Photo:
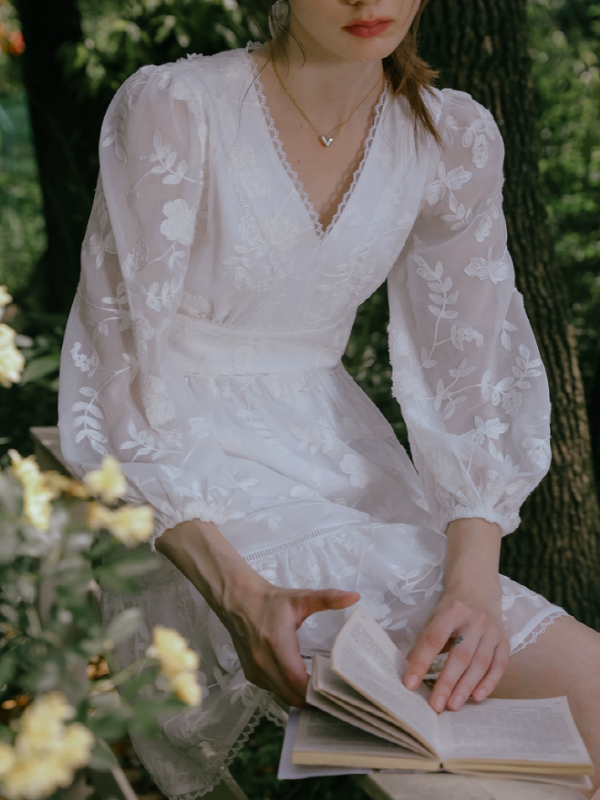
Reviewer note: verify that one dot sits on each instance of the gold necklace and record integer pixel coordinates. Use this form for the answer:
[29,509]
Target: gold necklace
[326,141]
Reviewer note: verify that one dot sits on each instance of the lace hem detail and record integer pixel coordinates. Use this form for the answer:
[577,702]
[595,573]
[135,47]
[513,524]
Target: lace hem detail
[533,635]
[298,185]
[276,716]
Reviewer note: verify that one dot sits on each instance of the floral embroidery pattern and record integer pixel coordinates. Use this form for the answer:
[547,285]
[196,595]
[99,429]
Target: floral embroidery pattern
[196,226]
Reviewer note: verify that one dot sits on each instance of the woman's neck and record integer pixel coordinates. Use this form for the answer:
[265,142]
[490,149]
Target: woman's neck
[319,81]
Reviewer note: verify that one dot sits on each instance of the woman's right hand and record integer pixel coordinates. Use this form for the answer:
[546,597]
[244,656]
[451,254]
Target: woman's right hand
[263,621]
[261,618]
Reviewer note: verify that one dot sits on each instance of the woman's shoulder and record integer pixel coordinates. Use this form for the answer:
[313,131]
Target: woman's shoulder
[465,124]
[194,73]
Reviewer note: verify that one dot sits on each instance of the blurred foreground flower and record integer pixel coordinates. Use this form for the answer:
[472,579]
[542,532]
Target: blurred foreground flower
[37,495]
[108,482]
[46,752]
[12,360]
[5,297]
[131,525]
[177,662]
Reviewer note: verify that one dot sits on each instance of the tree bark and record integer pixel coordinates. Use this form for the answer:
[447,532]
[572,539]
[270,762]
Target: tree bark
[481,46]
[65,131]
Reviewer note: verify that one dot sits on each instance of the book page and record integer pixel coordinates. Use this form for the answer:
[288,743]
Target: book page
[330,693]
[323,739]
[327,682]
[289,771]
[364,721]
[365,657]
[512,730]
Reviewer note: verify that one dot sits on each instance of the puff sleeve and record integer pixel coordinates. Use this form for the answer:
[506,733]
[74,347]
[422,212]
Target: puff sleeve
[120,392]
[466,368]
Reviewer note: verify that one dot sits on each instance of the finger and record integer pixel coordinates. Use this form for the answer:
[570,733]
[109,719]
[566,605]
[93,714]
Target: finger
[269,676]
[289,668]
[324,600]
[460,657]
[477,669]
[267,672]
[495,672]
[429,644]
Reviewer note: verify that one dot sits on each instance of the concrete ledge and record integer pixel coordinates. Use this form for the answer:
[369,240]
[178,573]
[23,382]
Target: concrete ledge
[47,451]
[387,786]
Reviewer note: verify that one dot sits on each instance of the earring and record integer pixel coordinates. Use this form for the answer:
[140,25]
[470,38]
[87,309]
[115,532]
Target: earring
[279,16]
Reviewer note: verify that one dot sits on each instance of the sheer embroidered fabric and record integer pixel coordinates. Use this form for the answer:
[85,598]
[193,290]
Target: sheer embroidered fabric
[203,350]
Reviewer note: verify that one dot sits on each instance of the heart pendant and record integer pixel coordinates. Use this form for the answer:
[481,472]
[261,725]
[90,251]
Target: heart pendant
[325,141]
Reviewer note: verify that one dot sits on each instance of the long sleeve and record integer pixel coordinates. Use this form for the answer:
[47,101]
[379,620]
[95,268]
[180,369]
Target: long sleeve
[466,368]
[120,392]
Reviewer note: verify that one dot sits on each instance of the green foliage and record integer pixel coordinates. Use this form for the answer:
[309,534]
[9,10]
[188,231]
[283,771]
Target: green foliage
[565,47]
[34,400]
[51,625]
[255,769]
[22,235]
[121,37]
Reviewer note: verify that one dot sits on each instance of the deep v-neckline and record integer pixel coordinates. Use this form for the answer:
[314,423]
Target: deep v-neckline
[321,232]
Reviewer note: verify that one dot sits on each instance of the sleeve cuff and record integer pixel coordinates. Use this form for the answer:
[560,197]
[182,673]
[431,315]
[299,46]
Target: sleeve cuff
[507,523]
[163,521]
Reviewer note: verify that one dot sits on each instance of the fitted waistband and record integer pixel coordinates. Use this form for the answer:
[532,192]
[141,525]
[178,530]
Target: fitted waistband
[206,348]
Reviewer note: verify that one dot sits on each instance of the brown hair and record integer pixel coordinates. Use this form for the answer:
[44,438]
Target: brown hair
[408,74]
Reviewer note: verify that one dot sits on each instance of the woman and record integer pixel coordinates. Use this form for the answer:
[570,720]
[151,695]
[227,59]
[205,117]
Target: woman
[247,204]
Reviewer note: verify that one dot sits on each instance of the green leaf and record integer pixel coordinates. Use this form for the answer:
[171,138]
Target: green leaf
[124,625]
[102,757]
[8,667]
[137,564]
[146,713]
[111,725]
[40,367]
[108,581]
[9,541]
[136,683]
[102,546]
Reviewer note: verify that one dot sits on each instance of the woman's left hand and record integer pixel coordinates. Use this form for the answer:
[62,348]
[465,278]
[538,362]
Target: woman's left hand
[469,625]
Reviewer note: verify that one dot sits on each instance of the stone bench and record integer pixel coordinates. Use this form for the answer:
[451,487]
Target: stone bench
[382,786]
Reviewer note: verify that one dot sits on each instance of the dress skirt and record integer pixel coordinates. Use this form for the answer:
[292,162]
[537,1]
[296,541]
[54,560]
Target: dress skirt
[357,521]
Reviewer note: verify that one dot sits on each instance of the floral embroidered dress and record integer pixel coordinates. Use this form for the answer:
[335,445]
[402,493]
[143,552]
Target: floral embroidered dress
[203,350]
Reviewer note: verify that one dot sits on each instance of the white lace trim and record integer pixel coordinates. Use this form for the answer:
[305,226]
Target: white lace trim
[298,185]
[272,712]
[533,635]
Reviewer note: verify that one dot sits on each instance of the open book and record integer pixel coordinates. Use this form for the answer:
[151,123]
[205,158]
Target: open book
[362,715]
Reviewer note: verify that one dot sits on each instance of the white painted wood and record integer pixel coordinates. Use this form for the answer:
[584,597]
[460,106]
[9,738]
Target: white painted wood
[47,448]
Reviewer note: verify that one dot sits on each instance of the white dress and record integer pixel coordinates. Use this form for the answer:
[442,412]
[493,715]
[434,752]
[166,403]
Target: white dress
[203,350]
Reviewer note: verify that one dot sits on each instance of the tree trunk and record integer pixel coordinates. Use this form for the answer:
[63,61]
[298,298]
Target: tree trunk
[64,126]
[481,46]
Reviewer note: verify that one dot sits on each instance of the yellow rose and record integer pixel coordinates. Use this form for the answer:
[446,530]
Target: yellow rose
[76,745]
[11,359]
[42,725]
[186,687]
[36,778]
[5,298]
[37,495]
[172,652]
[58,483]
[131,525]
[8,756]
[108,482]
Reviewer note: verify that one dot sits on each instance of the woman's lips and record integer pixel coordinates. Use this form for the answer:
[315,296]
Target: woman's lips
[368,30]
